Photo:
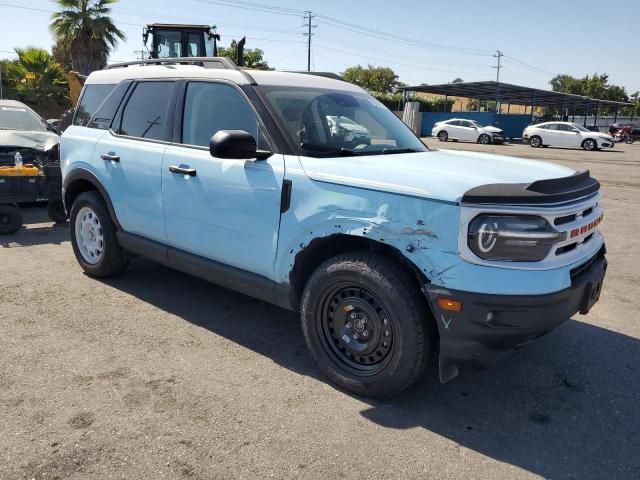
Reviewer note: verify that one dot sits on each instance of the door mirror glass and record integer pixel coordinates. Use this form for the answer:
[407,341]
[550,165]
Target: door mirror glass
[235,145]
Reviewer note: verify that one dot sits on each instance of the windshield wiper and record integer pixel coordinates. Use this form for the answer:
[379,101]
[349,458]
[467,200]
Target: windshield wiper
[388,151]
[343,152]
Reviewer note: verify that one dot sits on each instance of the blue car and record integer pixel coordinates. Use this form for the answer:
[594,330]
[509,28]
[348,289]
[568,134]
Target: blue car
[397,256]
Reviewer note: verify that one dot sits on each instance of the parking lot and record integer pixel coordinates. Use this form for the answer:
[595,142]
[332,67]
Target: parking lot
[156,374]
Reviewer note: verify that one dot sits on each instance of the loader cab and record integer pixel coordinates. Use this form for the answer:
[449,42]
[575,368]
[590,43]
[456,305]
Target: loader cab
[173,41]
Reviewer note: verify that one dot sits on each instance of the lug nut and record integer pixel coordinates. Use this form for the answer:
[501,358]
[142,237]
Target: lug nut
[356,336]
[353,316]
[386,333]
[365,333]
[348,325]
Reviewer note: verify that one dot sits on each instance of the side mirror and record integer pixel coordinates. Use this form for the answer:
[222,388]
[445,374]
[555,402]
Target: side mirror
[236,145]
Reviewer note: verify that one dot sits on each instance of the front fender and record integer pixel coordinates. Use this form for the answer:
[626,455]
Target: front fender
[424,231]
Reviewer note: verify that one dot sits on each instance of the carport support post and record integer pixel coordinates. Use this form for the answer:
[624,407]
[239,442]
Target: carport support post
[444,108]
[595,118]
[615,115]
[533,103]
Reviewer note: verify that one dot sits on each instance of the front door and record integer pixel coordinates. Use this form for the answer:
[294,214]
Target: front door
[224,210]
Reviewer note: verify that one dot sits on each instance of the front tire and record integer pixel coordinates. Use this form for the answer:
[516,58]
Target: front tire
[590,144]
[535,141]
[93,236]
[366,324]
[10,219]
[443,136]
[484,139]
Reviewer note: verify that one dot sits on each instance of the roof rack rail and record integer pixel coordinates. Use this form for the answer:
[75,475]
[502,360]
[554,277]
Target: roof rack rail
[206,62]
[332,75]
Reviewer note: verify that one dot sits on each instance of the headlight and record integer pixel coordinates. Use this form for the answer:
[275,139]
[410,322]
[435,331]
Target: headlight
[515,238]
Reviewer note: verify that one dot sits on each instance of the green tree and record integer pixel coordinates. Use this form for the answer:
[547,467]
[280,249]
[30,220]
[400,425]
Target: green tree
[38,81]
[457,80]
[253,57]
[61,53]
[594,86]
[374,79]
[89,32]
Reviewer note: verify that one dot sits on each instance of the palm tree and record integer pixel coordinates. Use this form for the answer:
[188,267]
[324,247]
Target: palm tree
[85,25]
[38,80]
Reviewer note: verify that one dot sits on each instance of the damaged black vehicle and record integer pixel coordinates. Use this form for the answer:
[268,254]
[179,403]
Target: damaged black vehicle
[29,164]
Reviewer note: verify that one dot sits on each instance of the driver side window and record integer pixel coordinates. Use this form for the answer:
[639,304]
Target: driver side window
[210,107]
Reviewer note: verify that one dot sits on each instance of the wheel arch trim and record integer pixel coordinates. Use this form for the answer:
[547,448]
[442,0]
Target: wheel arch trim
[82,175]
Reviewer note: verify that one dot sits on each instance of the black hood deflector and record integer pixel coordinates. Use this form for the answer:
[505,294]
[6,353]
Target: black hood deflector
[553,190]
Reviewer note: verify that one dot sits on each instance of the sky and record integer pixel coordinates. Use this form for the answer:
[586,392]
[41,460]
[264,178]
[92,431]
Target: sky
[423,41]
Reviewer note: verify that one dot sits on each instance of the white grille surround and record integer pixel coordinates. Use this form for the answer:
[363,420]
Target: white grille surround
[569,218]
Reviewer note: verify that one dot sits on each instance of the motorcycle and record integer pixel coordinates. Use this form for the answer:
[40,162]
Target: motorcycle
[623,135]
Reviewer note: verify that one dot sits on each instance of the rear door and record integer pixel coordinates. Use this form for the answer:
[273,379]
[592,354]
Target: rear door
[226,210]
[453,129]
[551,135]
[130,157]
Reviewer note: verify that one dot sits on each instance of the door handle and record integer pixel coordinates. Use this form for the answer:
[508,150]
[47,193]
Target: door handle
[182,171]
[110,157]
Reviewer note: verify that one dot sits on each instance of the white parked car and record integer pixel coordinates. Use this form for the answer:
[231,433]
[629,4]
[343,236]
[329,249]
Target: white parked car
[565,134]
[467,130]
[348,131]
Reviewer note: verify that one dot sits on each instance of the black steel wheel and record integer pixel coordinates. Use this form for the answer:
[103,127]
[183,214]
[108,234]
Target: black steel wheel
[10,219]
[355,328]
[366,324]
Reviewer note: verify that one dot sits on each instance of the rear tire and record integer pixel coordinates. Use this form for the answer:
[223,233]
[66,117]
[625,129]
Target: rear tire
[55,211]
[93,236]
[10,219]
[590,144]
[535,141]
[443,136]
[366,324]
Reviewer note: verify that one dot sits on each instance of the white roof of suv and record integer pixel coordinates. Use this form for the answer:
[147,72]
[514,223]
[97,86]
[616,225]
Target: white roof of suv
[262,77]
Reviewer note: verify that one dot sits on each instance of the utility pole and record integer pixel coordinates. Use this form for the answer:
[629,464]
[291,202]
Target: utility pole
[498,55]
[309,16]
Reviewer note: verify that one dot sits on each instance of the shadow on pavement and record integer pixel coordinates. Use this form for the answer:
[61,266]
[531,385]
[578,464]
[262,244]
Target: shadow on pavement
[565,406]
[38,229]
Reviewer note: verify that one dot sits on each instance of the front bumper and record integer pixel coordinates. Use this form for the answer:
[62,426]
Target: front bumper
[489,326]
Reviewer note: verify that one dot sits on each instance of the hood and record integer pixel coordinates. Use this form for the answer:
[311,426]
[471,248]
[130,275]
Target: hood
[437,174]
[27,139]
[491,129]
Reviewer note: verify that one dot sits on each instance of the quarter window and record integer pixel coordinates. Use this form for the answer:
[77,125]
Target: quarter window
[210,107]
[145,113]
[104,115]
[92,97]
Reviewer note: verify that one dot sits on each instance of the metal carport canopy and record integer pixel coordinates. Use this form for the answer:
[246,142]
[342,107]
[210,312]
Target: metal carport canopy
[509,93]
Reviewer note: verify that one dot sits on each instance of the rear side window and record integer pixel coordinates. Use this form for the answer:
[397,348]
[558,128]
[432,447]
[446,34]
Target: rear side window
[104,115]
[92,97]
[145,113]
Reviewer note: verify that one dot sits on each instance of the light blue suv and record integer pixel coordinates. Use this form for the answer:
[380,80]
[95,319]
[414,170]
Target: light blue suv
[397,256]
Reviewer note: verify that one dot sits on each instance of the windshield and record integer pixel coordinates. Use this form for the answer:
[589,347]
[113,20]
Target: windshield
[333,122]
[476,124]
[20,118]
